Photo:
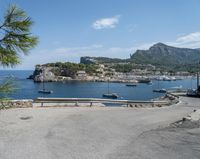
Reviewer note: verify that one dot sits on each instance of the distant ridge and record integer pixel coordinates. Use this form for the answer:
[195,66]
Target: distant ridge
[162,54]
[100,60]
[164,57]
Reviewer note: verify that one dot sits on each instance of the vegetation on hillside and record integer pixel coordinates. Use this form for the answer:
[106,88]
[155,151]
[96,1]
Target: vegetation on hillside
[70,69]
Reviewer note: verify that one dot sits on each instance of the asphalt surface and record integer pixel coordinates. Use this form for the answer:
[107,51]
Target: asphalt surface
[99,133]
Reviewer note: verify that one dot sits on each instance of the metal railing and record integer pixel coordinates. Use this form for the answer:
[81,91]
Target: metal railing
[92,101]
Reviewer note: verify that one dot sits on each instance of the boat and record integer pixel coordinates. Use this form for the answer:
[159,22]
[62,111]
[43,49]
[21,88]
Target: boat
[160,90]
[131,85]
[43,90]
[110,95]
[145,80]
[166,78]
[177,87]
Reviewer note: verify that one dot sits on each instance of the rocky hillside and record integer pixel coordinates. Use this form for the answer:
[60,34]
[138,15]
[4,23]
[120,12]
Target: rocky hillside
[161,54]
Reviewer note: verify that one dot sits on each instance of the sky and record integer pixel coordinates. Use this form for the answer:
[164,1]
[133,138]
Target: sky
[69,29]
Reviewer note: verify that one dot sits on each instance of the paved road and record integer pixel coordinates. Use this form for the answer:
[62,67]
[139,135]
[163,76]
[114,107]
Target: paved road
[98,133]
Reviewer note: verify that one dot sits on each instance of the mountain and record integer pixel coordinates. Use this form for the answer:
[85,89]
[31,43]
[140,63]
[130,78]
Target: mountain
[164,55]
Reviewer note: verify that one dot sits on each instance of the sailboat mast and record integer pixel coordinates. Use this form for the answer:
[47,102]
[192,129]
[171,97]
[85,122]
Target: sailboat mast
[197,80]
[108,87]
[43,80]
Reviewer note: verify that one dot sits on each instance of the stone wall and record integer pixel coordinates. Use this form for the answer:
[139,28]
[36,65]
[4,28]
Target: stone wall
[17,104]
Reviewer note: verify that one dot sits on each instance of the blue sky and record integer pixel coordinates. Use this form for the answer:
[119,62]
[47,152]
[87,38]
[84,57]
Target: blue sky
[69,29]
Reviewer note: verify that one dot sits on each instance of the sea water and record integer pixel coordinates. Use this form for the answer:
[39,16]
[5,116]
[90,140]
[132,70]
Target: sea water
[27,89]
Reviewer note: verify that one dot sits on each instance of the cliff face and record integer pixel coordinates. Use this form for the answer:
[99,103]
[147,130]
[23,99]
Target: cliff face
[161,54]
[43,74]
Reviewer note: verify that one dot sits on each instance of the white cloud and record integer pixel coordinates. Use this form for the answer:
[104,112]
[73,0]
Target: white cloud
[106,23]
[191,40]
[192,37]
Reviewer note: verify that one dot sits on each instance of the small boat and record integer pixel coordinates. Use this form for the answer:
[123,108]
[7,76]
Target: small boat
[160,90]
[45,91]
[110,95]
[131,85]
[144,81]
[177,87]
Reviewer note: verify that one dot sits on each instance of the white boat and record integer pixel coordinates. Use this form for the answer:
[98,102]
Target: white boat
[177,87]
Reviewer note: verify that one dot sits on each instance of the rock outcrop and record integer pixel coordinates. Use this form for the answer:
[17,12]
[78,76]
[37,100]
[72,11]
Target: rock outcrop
[43,74]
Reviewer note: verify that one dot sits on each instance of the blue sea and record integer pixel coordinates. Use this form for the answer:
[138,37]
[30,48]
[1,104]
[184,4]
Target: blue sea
[27,89]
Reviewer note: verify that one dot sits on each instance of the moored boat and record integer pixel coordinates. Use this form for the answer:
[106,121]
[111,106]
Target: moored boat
[45,91]
[160,90]
[131,85]
[110,95]
[145,80]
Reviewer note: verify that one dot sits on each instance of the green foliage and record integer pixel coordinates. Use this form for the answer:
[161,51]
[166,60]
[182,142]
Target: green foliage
[124,67]
[6,87]
[15,39]
[90,69]
[70,69]
[15,36]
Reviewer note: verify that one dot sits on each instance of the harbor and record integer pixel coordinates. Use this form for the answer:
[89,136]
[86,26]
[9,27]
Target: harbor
[99,79]
[27,89]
